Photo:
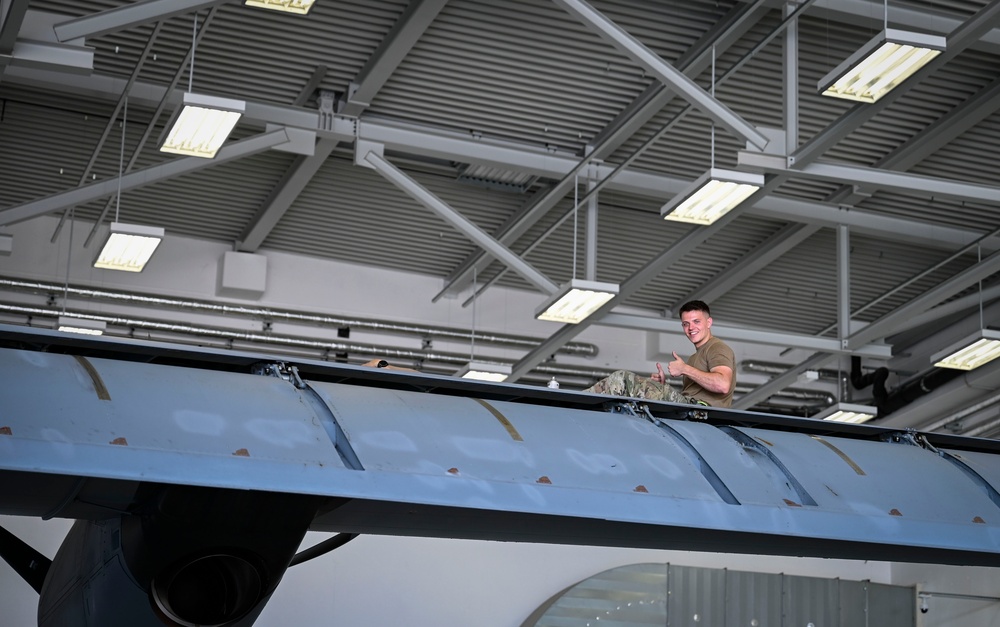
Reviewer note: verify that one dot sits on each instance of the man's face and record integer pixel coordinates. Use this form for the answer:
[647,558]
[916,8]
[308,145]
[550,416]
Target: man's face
[696,326]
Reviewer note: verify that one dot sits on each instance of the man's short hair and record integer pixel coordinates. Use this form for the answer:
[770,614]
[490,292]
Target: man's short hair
[695,305]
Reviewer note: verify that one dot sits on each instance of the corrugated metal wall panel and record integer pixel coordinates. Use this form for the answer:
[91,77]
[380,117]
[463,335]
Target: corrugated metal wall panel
[675,595]
[753,599]
[891,605]
[811,600]
[696,595]
[853,605]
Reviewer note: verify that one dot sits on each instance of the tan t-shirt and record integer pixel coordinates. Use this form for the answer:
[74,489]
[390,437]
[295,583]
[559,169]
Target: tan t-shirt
[709,355]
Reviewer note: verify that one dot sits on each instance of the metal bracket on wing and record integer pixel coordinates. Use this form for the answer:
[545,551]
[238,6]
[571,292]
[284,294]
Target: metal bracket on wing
[289,373]
[762,452]
[641,410]
[915,438]
[631,408]
[911,437]
[280,370]
[973,475]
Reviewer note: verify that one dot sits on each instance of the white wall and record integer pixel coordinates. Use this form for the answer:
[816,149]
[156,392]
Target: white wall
[944,583]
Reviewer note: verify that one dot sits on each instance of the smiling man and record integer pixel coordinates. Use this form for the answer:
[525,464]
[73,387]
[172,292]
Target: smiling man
[708,377]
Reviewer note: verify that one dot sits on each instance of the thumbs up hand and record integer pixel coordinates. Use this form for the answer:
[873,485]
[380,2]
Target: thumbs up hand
[659,376]
[676,367]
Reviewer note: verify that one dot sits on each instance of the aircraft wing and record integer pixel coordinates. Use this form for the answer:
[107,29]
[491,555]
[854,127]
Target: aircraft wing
[100,429]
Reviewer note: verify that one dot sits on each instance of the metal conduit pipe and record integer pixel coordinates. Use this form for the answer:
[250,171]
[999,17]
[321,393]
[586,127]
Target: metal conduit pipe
[368,350]
[504,340]
[915,388]
[986,427]
[811,397]
[937,424]
[765,367]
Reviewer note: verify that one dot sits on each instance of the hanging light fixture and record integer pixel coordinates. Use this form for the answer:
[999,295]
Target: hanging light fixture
[484,371]
[979,348]
[84,326]
[300,7]
[972,352]
[881,64]
[711,196]
[848,412]
[575,301]
[204,122]
[578,299]
[203,125]
[128,246]
[476,369]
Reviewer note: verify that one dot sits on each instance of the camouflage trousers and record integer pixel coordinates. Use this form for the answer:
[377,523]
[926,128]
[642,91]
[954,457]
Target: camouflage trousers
[625,383]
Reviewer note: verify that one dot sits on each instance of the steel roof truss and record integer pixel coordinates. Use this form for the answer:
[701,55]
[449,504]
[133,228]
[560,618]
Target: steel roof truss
[428,142]
[961,38]
[790,236]
[140,178]
[668,74]
[121,18]
[397,44]
[647,105]
[418,192]
[873,178]
[10,24]
[887,324]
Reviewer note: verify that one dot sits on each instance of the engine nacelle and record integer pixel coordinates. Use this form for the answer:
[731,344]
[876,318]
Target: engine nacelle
[190,557]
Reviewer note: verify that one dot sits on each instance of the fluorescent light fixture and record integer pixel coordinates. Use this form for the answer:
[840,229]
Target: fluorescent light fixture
[881,64]
[575,301]
[711,196]
[484,371]
[6,244]
[203,125]
[970,353]
[848,412]
[300,7]
[129,247]
[82,325]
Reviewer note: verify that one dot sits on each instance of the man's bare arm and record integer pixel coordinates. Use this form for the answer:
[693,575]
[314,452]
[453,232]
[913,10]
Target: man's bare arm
[719,380]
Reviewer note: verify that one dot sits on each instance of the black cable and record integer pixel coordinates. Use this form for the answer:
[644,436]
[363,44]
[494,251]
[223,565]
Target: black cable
[322,548]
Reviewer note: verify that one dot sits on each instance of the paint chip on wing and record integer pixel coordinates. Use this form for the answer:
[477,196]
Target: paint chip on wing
[241,453]
[119,442]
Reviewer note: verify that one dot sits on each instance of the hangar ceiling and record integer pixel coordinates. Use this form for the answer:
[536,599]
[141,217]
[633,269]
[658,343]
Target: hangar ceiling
[508,112]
